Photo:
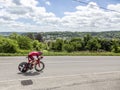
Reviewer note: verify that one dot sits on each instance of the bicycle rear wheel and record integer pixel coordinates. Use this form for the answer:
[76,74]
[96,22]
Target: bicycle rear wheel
[22,67]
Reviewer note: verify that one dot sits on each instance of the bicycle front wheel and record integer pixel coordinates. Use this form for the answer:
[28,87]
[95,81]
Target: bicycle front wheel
[39,67]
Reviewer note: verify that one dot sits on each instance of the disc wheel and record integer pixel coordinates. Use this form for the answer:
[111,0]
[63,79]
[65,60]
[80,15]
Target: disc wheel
[22,67]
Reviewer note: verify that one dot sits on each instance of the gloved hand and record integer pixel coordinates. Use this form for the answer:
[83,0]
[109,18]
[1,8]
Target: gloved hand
[40,57]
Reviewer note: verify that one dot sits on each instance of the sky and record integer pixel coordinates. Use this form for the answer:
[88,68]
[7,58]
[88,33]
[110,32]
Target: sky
[59,15]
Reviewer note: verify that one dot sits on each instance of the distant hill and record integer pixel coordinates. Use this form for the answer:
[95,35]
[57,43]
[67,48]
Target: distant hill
[8,33]
[68,35]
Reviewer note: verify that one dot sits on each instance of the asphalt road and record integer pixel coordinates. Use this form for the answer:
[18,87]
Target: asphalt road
[59,66]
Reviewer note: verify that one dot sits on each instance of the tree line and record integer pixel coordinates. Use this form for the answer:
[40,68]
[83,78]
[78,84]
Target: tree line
[16,43]
[68,35]
[87,43]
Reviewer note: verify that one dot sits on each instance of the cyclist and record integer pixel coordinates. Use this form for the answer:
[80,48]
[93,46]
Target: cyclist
[33,56]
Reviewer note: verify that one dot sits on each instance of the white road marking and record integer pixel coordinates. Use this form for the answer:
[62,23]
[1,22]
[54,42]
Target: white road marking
[66,62]
[62,76]
[52,62]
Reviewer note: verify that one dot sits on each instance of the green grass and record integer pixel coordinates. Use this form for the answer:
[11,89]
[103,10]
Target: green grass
[82,53]
[12,54]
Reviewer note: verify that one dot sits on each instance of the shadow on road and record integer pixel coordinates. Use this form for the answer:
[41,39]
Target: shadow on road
[30,73]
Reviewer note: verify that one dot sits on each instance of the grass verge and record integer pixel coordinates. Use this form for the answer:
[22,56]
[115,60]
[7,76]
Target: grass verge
[83,53]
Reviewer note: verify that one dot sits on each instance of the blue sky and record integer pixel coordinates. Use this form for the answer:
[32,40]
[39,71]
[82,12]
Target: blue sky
[60,6]
[59,15]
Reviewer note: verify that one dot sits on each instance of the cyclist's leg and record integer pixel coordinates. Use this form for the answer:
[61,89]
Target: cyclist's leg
[30,63]
[35,59]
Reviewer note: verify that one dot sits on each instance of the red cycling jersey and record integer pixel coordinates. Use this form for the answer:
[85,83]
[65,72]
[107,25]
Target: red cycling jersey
[32,54]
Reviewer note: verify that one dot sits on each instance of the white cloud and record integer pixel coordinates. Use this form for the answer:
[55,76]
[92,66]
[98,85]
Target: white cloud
[114,7]
[48,3]
[26,15]
[17,2]
[6,3]
[37,19]
[92,18]
[29,3]
[19,10]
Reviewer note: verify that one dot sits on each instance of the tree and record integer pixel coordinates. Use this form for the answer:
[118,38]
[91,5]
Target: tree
[93,45]
[14,36]
[39,37]
[57,45]
[77,46]
[8,45]
[68,47]
[77,43]
[24,42]
[31,36]
[52,46]
[37,45]
[86,39]
[116,46]
[106,44]
[76,40]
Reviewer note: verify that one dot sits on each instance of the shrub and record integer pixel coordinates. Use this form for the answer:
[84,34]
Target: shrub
[68,47]
[8,45]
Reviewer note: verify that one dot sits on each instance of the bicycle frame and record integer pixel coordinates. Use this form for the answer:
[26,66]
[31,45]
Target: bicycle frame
[36,61]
